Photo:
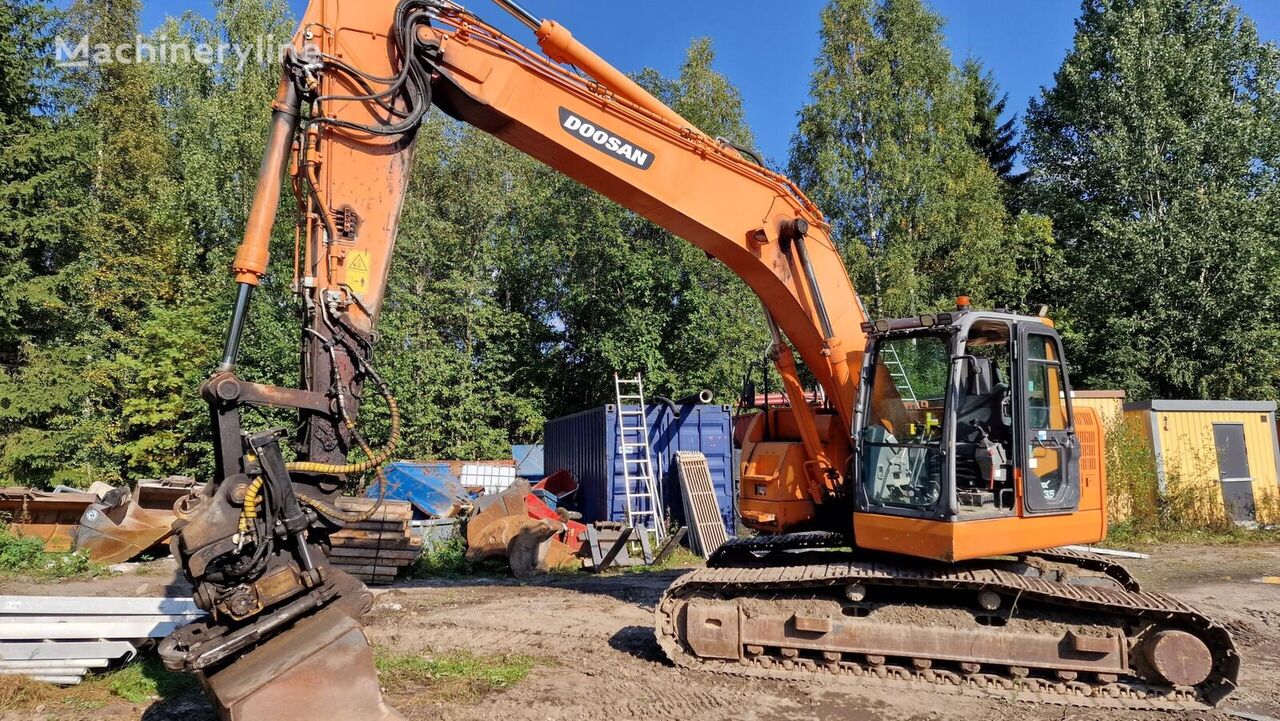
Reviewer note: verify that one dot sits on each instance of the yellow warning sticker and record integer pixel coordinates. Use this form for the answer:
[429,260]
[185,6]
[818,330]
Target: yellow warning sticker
[358,270]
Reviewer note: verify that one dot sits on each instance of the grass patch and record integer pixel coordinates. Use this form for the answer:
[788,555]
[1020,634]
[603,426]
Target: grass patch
[457,676]
[449,560]
[681,557]
[25,556]
[137,683]
[149,679]
[443,560]
[1136,536]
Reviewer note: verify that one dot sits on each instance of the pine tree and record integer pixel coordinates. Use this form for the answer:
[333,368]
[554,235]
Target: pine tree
[1157,153]
[994,140]
[883,148]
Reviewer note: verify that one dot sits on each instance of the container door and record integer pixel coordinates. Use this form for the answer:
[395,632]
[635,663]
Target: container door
[1233,470]
[1049,450]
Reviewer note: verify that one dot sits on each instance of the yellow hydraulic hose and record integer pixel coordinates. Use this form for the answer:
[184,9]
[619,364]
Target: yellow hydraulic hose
[250,510]
[343,516]
[393,440]
[374,461]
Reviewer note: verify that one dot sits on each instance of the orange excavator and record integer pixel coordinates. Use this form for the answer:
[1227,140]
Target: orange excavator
[909,525]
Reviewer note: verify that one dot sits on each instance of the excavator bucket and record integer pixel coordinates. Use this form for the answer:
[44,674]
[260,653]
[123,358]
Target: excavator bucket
[504,527]
[125,524]
[321,669]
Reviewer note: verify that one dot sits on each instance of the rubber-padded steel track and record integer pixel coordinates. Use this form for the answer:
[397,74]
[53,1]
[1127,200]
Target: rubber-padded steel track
[767,577]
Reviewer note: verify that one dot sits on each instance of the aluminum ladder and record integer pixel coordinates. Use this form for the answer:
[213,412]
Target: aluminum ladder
[644,510]
[898,372]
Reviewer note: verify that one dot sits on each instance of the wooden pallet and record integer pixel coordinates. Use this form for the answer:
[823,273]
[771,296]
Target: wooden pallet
[376,549]
[701,510]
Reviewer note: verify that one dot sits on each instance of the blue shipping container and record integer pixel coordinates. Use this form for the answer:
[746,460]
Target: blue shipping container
[528,462]
[586,444]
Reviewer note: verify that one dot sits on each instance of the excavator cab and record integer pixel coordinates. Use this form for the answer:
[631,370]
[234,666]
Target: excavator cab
[966,442]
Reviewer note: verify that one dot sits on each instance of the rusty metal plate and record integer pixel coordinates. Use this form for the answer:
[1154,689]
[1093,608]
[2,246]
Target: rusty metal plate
[712,630]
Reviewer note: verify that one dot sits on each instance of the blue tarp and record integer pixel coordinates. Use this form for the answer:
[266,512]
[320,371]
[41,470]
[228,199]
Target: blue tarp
[432,487]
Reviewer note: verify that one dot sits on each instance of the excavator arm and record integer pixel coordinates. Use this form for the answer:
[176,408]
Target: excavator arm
[355,86]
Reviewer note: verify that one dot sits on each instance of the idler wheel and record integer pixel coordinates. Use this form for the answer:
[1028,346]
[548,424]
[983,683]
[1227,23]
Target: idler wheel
[1178,657]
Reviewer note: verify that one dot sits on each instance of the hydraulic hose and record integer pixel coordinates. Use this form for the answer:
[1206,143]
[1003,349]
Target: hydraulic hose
[250,506]
[376,459]
[340,515]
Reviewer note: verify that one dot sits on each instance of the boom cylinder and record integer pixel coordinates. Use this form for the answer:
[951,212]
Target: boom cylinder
[520,14]
[560,45]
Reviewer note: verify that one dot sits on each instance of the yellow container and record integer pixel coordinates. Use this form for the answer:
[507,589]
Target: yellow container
[1108,404]
[1217,454]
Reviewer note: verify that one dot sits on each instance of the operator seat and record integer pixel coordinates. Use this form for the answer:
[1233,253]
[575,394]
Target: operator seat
[980,420]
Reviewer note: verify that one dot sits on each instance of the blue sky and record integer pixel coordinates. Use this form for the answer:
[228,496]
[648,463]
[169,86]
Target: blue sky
[767,48]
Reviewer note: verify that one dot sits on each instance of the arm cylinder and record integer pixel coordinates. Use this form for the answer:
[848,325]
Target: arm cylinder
[251,257]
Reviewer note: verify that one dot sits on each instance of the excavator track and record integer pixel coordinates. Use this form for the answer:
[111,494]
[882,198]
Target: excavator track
[783,609]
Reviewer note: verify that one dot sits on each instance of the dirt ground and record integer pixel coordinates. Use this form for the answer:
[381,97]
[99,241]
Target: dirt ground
[596,657]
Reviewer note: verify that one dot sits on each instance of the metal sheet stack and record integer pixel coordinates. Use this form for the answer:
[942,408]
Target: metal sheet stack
[374,550]
[58,639]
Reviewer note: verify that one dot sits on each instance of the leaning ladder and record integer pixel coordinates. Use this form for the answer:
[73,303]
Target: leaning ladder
[644,511]
[898,372]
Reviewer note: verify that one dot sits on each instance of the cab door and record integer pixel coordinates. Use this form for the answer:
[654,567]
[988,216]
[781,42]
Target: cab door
[1049,451]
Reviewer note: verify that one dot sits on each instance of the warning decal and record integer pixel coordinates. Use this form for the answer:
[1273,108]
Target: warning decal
[358,271]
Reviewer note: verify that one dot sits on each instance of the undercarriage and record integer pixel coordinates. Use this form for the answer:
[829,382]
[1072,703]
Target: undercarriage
[1055,626]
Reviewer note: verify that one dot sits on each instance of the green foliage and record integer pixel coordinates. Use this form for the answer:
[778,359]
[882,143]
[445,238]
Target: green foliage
[443,560]
[1132,487]
[163,418]
[1157,153]
[884,148]
[25,556]
[49,371]
[125,188]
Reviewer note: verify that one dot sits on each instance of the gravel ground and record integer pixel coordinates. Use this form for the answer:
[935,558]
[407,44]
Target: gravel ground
[596,657]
